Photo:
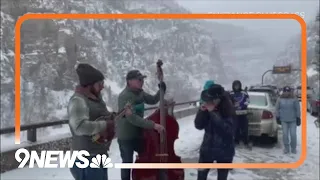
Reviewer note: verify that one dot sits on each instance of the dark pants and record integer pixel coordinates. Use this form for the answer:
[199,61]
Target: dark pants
[242,133]
[89,173]
[127,149]
[235,127]
[209,158]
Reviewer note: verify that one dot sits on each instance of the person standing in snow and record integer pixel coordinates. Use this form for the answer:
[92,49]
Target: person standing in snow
[241,102]
[288,115]
[88,116]
[215,118]
[130,128]
[210,83]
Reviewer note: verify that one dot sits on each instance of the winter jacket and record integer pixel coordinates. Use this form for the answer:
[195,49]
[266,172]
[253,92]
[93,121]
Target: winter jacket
[84,122]
[206,86]
[131,127]
[218,137]
[287,109]
[240,98]
[228,93]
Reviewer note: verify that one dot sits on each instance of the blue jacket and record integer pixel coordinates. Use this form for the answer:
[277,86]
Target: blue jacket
[218,138]
[241,98]
[206,86]
[287,109]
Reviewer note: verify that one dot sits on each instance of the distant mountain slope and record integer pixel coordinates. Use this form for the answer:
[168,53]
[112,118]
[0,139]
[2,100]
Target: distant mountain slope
[291,56]
[51,48]
[243,51]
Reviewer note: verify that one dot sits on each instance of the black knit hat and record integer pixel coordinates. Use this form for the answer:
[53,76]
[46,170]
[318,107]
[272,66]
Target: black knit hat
[135,74]
[215,91]
[88,75]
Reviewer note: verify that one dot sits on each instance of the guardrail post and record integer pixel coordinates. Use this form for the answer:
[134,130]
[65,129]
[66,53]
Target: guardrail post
[32,135]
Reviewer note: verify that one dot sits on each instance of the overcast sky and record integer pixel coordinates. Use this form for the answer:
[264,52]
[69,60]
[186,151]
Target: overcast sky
[306,8]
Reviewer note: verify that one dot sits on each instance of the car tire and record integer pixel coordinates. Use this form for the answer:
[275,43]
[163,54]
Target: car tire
[308,107]
[274,140]
[311,111]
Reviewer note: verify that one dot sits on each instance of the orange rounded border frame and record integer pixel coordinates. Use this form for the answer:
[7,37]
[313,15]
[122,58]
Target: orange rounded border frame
[177,16]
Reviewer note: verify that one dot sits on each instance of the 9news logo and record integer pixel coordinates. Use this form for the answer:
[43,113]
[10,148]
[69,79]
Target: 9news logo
[61,159]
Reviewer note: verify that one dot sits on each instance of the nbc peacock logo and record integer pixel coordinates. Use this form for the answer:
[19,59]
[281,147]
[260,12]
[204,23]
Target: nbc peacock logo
[101,161]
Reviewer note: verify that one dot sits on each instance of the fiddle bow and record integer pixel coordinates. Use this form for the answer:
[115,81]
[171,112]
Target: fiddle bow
[99,138]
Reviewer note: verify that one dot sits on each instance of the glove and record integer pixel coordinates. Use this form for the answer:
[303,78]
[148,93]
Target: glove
[298,121]
[162,86]
[139,108]
[278,120]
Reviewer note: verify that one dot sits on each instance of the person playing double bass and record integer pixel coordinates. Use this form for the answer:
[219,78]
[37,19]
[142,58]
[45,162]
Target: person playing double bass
[129,129]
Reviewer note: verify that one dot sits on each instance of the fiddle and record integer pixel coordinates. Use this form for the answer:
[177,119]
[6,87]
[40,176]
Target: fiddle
[108,134]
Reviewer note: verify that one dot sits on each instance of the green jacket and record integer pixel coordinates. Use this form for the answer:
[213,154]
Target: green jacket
[131,127]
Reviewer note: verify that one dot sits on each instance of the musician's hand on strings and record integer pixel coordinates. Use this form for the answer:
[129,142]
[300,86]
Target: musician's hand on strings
[159,128]
[128,110]
[162,86]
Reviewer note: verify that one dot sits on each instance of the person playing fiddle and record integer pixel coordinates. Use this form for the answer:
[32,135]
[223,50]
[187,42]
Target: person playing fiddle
[88,116]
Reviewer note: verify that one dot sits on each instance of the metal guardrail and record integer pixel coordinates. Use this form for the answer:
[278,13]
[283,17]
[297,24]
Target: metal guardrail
[32,128]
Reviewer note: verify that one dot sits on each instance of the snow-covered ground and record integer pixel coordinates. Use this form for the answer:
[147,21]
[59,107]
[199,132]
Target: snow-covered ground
[187,147]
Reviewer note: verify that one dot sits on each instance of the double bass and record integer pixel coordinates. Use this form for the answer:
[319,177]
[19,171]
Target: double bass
[159,147]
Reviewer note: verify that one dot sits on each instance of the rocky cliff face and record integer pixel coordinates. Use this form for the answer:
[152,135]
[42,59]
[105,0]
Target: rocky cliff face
[291,56]
[51,48]
[243,51]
